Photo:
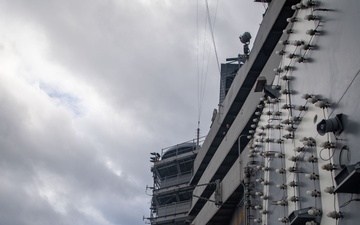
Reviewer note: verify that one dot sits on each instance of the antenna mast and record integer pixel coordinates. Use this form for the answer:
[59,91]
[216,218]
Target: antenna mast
[198,136]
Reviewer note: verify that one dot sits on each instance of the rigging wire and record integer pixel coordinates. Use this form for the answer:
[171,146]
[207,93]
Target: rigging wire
[212,30]
[202,74]
[197,57]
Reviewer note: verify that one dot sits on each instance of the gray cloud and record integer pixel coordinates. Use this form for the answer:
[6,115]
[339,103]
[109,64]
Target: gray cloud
[88,90]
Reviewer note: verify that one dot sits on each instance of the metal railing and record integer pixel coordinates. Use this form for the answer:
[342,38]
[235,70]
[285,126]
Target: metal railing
[174,208]
[175,180]
[163,151]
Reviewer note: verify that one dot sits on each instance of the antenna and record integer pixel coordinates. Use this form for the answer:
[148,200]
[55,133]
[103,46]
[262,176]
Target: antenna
[198,136]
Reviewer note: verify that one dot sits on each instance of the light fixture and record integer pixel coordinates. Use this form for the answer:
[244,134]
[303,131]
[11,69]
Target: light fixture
[312,176]
[293,184]
[329,167]
[314,212]
[335,215]
[281,170]
[300,6]
[286,121]
[279,155]
[286,92]
[257,220]
[286,77]
[248,193]
[322,104]
[264,211]
[278,70]
[301,108]
[293,7]
[260,106]
[155,154]
[327,144]
[298,43]
[259,193]
[258,207]
[293,169]
[253,151]
[259,180]
[294,158]
[288,136]
[312,32]
[330,125]
[285,42]
[274,100]
[310,223]
[292,55]
[289,128]
[306,139]
[286,106]
[281,186]
[308,47]
[292,20]
[288,31]
[312,17]
[264,197]
[282,203]
[309,142]
[311,3]
[314,193]
[287,68]
[267,154]
[311,159]
[299,149]
[282,52]
[330,190]
[301,59]
[283,219]
[313,99]
[306,96]
[293,198]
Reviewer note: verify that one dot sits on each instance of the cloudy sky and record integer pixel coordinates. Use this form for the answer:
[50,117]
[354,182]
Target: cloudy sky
[89,88]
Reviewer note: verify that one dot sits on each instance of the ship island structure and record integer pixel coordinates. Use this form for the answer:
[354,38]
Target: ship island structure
[283,147]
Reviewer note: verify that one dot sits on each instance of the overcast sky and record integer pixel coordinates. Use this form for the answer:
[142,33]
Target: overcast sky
[89,88]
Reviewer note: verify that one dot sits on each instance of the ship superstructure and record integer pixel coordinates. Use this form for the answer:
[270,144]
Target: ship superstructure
[284,144]
[171,193]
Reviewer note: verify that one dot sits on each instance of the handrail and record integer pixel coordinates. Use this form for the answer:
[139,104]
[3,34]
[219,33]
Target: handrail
[201,140]
[173,208]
